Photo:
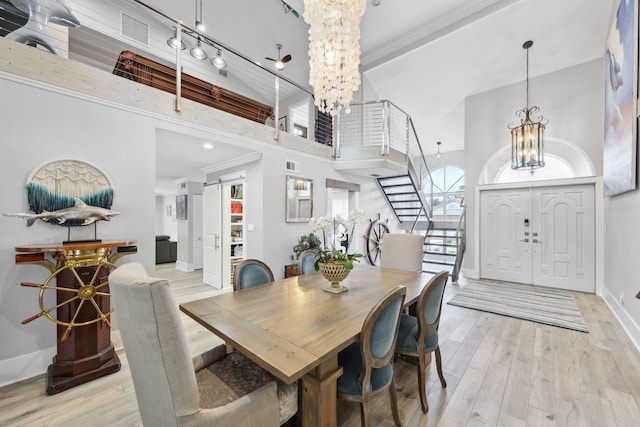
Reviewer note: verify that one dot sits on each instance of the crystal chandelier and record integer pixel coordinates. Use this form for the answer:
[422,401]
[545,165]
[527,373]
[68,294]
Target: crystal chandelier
[334,51]
[527,139]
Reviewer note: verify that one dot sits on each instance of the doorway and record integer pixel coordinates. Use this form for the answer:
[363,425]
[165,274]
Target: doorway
[539,235]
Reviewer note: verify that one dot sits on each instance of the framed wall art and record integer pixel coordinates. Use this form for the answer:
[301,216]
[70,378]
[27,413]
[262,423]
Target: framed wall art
[282,124]
[181,206]
[621,75]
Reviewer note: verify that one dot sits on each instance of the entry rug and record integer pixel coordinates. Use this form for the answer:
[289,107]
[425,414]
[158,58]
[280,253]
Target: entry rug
[537,304]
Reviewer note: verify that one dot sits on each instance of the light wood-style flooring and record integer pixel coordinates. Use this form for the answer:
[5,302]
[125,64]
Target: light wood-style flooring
[500,372]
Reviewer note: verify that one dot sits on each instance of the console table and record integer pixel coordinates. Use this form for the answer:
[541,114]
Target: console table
[291,270]
[82,311]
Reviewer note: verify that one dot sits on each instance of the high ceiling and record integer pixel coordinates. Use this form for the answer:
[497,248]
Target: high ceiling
[425,56]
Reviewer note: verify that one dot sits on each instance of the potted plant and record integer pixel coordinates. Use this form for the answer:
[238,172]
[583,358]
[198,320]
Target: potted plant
[333,259]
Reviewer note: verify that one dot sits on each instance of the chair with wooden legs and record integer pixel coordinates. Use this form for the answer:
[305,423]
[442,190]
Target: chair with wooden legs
[418,335]
[174,389]
[368,363]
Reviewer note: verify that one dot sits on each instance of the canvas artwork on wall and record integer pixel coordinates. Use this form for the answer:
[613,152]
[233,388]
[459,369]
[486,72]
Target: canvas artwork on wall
[181,206]
[620,101]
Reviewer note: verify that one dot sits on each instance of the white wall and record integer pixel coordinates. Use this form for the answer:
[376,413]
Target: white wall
[167,225]
[572,100]
[37,130]
[622,234]
[273,238]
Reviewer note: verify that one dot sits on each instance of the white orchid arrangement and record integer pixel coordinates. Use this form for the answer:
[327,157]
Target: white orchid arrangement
[330,227]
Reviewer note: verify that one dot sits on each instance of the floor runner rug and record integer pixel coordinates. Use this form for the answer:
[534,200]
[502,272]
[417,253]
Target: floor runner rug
[537,304]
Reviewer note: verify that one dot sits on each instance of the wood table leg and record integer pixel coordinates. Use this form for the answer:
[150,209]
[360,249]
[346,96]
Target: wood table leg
[319,390]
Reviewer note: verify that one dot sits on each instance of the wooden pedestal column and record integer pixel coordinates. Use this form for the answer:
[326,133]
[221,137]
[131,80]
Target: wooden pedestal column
[84,349]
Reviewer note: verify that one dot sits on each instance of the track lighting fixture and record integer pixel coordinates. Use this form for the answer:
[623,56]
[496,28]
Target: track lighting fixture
[197,51]
[218,61]
[173,41]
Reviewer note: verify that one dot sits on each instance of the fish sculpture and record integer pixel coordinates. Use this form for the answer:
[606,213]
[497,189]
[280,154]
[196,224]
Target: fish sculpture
[79,213]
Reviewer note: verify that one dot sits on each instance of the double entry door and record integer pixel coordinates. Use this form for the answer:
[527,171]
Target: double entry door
[542,236]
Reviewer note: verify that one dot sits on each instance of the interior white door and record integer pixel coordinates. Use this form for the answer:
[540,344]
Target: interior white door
[212,225]
[542,236]
[563,237]
[197,231]
[504,253]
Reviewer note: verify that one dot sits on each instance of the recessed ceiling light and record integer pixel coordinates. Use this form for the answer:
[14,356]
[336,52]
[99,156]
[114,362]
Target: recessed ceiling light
[207,146]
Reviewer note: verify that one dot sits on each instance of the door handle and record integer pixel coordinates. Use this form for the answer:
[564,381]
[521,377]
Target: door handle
[527,240]
[217,242]
[537,241]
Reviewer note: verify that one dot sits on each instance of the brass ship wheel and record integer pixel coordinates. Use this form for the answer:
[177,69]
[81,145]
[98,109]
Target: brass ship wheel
[80,295]
[373,239]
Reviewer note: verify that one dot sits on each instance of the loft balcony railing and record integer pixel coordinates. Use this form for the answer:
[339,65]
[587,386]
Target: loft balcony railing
[112,33]
[382,129]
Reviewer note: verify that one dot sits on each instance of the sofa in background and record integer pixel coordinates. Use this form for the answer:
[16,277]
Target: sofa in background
[166,250]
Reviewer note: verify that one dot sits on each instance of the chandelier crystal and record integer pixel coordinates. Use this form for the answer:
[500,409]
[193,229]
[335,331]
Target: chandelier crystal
[334,51]
[527,139]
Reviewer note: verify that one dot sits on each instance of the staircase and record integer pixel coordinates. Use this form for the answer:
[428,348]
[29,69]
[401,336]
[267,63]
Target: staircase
[379,139]
[440,248]
[408,202]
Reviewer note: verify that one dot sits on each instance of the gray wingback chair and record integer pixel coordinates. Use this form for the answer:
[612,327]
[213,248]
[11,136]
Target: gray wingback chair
[173,389]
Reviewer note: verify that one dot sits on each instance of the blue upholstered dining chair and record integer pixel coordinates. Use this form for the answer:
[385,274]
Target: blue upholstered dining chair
[368,363]
[418,335]
[251,272]
[306,262]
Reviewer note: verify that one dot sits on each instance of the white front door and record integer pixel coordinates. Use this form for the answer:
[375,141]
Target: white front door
[563,237]
[543,236]
[212,254]
[504,220]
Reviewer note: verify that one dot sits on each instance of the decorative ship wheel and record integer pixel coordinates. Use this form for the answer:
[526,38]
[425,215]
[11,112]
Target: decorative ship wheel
[76,293]
[373,239]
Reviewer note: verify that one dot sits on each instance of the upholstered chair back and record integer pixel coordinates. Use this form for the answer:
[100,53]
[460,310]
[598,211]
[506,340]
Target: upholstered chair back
[155,342]
[306,262]
[251,272]
[402,251]
[430,302]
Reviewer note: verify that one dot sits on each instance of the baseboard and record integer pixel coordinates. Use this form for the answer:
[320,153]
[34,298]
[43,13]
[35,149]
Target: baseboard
[628,324]
[184,266]
[470,273]
[25,366]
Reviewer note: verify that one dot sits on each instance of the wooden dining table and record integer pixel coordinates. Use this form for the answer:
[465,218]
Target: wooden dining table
[294,330]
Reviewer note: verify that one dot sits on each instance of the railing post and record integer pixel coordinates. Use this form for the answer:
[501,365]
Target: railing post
[178,101]
[276,125]
[335,130]
[406,137]
[386,129]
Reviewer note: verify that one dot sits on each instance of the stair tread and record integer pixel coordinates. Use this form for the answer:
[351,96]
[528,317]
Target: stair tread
[438,262]
[440,253]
